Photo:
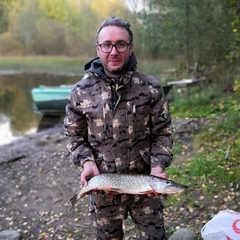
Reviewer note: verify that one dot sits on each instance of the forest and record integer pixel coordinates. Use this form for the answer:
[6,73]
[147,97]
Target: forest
[190,32]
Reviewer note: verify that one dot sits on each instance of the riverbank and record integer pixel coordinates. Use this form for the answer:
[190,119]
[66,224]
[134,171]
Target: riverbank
[38,179]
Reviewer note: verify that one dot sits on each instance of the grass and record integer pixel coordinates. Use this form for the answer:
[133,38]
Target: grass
[44,64]
[217,147]
[204,103]
[212,171]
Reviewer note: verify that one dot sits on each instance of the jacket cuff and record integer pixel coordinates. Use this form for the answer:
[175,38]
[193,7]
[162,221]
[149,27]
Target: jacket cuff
[85,160]
[80,159]
[162,161]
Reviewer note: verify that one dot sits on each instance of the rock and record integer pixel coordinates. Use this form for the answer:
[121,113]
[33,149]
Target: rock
[184,234]
[9,235]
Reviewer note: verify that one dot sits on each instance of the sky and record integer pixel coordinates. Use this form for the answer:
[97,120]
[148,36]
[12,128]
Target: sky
[135,5]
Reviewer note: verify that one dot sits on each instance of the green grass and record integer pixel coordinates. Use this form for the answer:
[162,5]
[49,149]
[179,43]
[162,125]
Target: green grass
[212,171]
[200,104]
[217,146]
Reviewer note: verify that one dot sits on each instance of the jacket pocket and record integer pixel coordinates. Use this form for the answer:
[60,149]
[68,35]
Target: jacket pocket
[138,115]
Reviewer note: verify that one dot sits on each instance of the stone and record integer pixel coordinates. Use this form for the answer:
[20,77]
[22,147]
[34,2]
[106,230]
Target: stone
[9,235]
[184,234]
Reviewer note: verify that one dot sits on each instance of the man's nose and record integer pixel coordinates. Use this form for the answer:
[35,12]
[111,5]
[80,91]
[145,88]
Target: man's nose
[114,50]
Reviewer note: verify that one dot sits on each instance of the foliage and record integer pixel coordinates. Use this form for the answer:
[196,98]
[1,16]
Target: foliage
[59,27]
[11,46]
[236,87]
[65,12]
[198,30]
[234,12]
[3,19]
[189,31]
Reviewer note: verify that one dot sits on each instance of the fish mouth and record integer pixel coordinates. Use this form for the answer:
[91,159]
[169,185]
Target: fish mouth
[175,189]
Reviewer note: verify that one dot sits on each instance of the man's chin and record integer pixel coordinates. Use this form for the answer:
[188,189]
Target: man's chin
[115,70]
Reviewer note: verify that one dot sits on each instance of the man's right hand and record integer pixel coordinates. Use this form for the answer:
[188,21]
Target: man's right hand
[90,169]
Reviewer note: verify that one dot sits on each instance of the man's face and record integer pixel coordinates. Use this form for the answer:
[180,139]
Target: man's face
[114,62]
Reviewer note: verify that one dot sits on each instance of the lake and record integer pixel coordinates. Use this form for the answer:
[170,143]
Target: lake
[17,117]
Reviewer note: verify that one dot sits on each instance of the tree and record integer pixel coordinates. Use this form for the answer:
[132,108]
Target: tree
[57,26]
[5,7]
[234,12]
[197,30]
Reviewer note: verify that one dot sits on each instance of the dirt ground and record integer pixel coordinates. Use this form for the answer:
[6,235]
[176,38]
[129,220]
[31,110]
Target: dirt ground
[37,181]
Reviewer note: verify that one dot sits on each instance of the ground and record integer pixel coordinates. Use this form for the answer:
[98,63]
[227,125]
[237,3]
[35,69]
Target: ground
[37,181]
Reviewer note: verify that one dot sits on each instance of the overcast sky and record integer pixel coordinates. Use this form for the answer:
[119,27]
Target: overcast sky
[135,5]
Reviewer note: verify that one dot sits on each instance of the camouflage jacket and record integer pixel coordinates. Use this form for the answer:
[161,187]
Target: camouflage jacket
[124,125]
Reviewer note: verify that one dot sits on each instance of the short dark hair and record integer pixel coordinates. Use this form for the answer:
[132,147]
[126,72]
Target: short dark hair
[115,21]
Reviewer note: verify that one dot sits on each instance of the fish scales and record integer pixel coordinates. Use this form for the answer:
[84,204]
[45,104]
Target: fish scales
[120,183]
[129,184]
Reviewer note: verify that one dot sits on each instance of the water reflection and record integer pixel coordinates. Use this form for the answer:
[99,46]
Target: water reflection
[17,118]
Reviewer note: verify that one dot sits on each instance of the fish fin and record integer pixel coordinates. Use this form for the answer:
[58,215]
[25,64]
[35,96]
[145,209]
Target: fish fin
[146,192]
[76,197]
[114,189]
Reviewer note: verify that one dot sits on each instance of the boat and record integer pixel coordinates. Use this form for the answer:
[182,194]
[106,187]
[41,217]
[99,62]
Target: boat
[50,100]
[53,100]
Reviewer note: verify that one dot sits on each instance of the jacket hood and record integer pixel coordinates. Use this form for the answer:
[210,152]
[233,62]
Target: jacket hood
[95,65]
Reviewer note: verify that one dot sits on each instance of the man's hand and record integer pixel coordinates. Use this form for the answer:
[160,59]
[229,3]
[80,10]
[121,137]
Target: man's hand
[158,172]
[90,169]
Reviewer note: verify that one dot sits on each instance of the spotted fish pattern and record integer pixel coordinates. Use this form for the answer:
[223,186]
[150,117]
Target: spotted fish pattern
[137,184]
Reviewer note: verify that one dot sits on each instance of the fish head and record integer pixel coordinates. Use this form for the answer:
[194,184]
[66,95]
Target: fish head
[165,186]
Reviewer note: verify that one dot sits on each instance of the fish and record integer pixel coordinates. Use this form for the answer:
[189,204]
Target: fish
[136,184]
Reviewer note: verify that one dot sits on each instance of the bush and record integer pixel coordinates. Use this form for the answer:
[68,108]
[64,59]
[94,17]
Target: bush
[9,46]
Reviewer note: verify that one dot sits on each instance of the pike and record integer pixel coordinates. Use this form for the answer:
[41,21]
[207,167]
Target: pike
[137,184]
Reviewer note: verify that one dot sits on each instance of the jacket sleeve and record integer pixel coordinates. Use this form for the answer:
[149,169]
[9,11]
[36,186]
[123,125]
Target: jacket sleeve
[75,127]
[161,130]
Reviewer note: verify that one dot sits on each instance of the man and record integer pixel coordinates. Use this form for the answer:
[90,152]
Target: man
[118,121]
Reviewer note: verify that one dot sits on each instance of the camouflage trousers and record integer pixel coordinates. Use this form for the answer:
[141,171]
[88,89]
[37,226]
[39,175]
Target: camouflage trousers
[108,213]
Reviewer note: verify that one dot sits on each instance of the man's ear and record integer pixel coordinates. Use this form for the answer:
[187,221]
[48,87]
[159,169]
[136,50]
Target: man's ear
[97,50]
[131,49]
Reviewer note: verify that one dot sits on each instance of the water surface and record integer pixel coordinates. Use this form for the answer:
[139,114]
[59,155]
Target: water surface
[17,118]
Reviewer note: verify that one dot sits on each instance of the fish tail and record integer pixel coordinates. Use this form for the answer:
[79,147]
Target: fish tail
[73,200]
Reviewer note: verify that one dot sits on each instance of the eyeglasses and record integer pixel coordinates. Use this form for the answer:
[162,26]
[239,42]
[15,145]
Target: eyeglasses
[120,47]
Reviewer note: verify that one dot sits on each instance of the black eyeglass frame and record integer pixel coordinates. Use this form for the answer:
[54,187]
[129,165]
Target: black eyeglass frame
[113,45]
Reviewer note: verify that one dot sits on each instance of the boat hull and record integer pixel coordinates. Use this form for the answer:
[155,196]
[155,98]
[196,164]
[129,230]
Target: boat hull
[50,100]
